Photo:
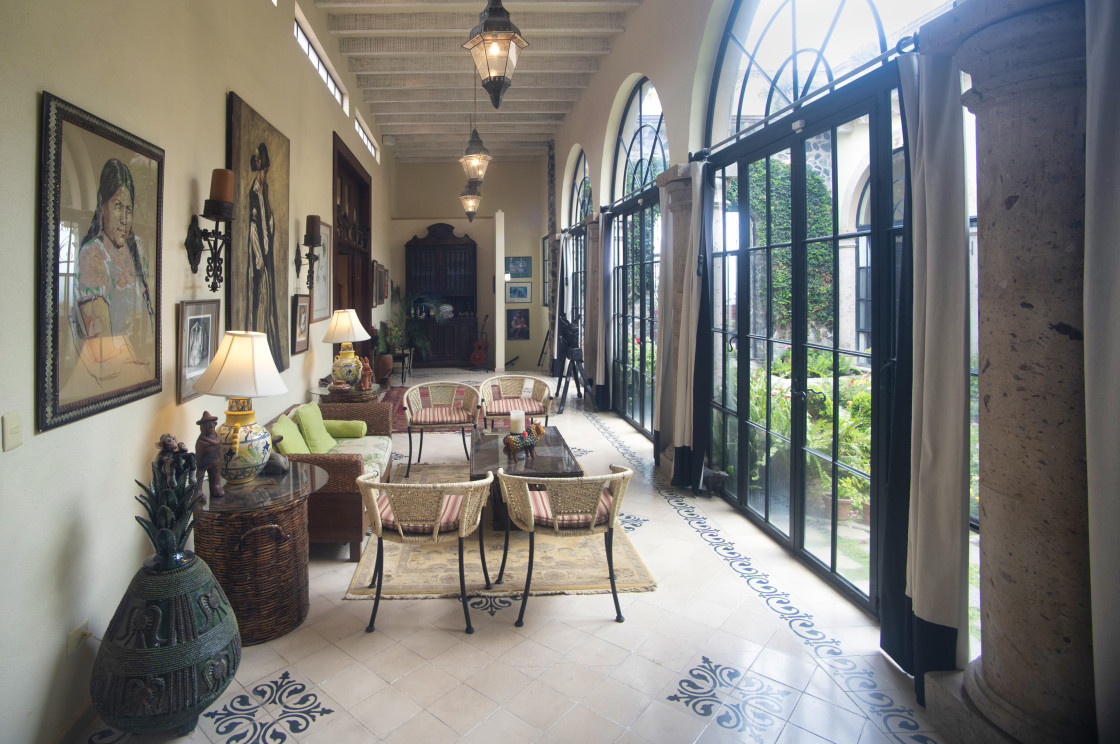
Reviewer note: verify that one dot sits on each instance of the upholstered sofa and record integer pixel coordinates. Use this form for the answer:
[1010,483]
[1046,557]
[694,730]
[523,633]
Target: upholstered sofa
[335,512]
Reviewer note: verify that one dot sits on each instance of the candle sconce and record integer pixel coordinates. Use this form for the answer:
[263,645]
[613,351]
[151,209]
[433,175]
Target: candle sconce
[312,239]
[219,208]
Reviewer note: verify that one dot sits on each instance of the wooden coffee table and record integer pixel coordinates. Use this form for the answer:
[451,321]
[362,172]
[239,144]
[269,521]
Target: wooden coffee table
[552,458]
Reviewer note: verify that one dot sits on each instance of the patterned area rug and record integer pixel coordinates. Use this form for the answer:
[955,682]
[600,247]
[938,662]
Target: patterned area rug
[560,566]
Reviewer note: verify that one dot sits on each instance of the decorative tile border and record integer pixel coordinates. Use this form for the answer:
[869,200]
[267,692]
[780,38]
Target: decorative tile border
[891,717]
[299,708]
[630,522]
[490,605]
[710,689]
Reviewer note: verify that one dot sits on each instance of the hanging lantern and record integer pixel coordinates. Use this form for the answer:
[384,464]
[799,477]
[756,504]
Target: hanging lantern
[494,44]
[475,158]
[471,198]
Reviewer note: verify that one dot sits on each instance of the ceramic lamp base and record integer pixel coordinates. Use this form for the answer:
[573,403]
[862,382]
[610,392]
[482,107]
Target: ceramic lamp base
[246,445]
[347,367]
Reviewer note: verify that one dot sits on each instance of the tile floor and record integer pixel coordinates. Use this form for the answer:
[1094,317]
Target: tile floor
[739,643]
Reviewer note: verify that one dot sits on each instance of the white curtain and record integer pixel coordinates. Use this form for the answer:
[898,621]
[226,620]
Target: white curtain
[690,311]
[937,555]
[1102,348]
[665,373]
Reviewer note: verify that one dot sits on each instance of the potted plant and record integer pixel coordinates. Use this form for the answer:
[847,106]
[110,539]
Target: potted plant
[851,496]
[172,646]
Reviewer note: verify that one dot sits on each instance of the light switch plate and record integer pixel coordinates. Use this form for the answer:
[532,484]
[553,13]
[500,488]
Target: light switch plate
[13,430]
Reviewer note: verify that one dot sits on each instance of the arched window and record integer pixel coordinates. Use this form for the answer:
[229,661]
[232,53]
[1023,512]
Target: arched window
[575,260]
[641,152]
[635,228]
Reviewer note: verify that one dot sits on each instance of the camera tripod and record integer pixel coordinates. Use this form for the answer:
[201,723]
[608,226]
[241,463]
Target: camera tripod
[574,373]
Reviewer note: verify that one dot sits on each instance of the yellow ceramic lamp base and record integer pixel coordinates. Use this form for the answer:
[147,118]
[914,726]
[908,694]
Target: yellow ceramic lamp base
[347,367]
[246,445]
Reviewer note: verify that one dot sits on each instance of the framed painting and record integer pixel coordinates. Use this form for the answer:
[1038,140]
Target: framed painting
[100,242]
[257,283]
[519,292]
[546,272]
[321,283]
[199,329]
[517,325]
[301,322]
[519,267]
[377,298]
[386,291]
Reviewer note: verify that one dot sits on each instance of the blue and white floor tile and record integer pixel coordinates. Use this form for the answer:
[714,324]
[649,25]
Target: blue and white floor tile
[740,643]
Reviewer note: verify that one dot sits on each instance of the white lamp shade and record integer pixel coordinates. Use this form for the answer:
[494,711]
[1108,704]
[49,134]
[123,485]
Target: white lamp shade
[345,327]
[243,367]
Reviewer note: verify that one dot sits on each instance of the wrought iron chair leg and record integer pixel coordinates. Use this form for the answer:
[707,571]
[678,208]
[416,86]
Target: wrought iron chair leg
[505,552]
[463,431]
[609,537]
[420,452]
[409,453]
[482,550]
[378,570]
[463,588]
[528,580]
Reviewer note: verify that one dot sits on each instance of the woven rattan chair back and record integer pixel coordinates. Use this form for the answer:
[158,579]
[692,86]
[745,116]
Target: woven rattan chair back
[420,513]
[439,404]
[566,507]
[502,393]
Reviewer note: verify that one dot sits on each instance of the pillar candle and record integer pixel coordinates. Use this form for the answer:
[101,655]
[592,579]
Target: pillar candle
[221,185]
[312,224]
[516,421]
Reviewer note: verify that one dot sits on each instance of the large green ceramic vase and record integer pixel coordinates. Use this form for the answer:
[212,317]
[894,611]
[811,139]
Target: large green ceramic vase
[170,650]
[172,647]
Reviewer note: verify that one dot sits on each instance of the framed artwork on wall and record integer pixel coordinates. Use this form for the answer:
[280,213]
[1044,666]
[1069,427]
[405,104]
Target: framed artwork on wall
[377,298]
[546,272]
[257,286]
[517,325]
[321,283]
[301,322]
[519,292]
[199,330]
[386,290]
[100,228]
[519,267]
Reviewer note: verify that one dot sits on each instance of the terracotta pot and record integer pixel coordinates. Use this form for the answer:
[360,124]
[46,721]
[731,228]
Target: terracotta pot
[843,510]
[382,368]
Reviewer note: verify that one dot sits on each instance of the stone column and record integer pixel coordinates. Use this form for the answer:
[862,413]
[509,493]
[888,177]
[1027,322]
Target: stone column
[676,183]
[1034,679]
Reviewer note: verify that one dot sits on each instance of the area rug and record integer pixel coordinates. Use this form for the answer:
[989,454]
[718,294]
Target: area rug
[560,566]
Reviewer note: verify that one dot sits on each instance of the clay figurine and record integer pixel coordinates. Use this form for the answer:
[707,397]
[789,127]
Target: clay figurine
[169,459]
[208,450]
[367,375]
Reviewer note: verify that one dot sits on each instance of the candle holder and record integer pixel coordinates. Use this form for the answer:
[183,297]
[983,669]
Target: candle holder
[312,239]
[219,208]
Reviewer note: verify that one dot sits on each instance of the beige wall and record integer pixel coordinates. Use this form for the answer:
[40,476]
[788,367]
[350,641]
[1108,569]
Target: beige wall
[429,192]
[160,70]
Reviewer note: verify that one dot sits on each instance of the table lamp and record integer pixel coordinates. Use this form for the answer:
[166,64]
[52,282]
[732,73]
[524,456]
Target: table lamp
[344,329]
[242,368]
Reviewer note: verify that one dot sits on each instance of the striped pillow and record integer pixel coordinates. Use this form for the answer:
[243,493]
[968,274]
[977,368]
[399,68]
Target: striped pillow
[443,415]
[528,405]
[542,511]
[448,516]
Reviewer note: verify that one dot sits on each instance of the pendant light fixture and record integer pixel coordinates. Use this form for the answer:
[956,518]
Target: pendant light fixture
[476,157]
[494,44]
[471,198]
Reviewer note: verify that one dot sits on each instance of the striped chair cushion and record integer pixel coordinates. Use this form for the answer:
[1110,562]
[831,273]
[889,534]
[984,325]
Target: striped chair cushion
[443,415]
[542,511]
[505,405]
[448,516]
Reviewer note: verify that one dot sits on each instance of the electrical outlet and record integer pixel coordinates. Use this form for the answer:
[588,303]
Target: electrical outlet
[75,637]
[12,427]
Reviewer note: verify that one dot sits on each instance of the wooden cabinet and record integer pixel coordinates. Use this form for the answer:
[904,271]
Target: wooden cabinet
[440,268]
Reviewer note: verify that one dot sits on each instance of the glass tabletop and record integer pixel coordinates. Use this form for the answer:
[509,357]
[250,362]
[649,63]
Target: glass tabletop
[302,479]
[551,458]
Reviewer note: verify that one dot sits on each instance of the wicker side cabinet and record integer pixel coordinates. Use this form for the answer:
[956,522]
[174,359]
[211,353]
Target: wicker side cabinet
[255,541]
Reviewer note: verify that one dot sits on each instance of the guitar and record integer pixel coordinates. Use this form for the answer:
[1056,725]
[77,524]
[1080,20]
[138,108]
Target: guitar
[479,355]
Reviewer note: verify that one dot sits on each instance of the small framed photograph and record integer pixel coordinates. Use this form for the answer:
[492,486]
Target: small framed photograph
[519,292]
[321,286]
[517,325]
[199,329]
[301,322]
[376,274]
[546,271]
[519,267]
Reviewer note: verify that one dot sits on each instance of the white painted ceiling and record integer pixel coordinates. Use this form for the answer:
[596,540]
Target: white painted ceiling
[419,85]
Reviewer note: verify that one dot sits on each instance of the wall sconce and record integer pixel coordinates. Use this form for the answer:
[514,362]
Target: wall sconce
[219,208]
[312,239]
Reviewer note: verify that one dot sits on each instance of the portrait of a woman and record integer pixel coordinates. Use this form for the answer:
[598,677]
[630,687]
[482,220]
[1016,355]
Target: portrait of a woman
[112,319]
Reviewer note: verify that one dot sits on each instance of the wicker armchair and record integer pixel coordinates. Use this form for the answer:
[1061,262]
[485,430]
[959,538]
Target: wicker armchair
[505,393]
[422,513]
[567,507]
[334,512]
[439,405]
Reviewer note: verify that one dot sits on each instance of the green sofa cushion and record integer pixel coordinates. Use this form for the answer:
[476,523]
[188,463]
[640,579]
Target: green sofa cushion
[293,442]
[310,420]
[345,429]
